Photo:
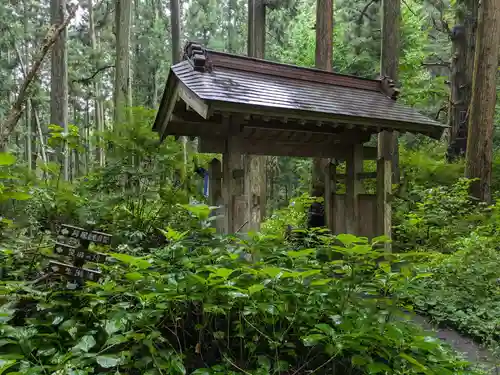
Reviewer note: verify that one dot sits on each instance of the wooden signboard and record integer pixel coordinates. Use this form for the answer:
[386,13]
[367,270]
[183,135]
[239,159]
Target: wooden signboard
[79,253]
[73,271]
[83,234]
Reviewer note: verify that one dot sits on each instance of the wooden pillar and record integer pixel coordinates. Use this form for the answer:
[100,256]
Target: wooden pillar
[354,166]
[330,189]
[233,184]
[215,194]
[384,190]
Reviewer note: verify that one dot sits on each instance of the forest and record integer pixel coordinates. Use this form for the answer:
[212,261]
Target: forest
[110,261]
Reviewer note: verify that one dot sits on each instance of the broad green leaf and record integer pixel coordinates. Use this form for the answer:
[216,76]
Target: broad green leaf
[108,361]
[320,282]
[326,329]
[271,271]
[6,364]
[134,276]
[413,361]
[202,371]
[116,339]
[7,159]
[301,253]
[359,360]
[113,326]
[348,239]
[309,273]
[423,275]
[85,344]
[377,368]
[222,272]
[140,263]
[313,339]
[255,288]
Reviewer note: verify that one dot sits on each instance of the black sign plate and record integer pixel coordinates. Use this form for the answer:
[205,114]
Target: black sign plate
[83,234]
[74,272]
[78,253]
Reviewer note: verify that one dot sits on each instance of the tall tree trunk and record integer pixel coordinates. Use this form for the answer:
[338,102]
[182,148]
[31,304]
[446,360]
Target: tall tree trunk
[324,56]
[123,11]
[97,92]
[256,184]
[482,109]
[59,79]
[389,66]
[463,36]
[175,21]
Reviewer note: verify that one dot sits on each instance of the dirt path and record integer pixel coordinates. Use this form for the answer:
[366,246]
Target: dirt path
[473,352]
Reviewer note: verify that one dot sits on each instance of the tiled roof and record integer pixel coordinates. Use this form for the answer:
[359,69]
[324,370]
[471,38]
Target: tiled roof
[246,81]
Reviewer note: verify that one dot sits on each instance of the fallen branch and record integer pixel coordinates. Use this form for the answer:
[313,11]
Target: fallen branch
[364,14]
[437,63]
[87,80]
[18,107]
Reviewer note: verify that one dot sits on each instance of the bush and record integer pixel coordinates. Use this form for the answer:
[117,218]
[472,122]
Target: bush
[200,305]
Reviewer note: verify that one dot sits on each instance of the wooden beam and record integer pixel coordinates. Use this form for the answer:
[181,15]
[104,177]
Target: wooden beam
[215,193]
[359,176]
[384,190]
[174,92]
[194,102]
[298,149]
[330,189]
[375,125]
[354,165]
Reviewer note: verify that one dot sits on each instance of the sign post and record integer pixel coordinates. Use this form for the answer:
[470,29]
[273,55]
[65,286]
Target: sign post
[79,255]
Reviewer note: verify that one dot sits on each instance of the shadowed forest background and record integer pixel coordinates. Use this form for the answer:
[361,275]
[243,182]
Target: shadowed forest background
[176,298]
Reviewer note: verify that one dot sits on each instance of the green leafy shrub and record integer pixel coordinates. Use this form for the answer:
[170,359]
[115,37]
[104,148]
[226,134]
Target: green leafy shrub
[437,217]
[199,305]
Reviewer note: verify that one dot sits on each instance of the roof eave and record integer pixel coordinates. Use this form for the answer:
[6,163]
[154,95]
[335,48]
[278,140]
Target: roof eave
[433,131]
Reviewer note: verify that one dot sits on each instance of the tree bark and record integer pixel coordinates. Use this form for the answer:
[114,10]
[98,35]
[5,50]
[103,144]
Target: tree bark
[59,80]
[122,65]
[324,57]
[100,155]
[482,109]
[463,37]
[389,66]
[175,21]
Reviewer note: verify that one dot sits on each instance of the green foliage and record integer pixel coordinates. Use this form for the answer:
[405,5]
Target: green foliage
[207,309]
[437,217]
[464,293]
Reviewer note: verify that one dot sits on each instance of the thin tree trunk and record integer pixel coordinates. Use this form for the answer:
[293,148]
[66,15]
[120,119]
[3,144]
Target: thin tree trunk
[389,66]
[482,109]
[100,155]
[59,79]
[122,65]
[256,184]
[324,56]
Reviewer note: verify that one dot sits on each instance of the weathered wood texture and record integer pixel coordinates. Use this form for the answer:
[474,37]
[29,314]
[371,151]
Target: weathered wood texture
[215,198]
[233,185]
[384,196]
[368,217]
[389,66]
[482,109]
[354,166]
